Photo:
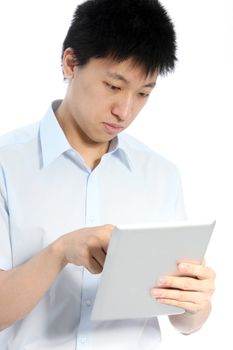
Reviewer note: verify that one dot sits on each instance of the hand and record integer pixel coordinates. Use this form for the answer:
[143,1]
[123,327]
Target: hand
[191,290]
[86,247]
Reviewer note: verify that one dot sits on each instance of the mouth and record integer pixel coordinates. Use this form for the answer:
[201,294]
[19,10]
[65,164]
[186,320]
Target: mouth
[112,128]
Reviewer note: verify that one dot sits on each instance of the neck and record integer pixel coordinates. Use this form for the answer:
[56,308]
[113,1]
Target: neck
[91,151]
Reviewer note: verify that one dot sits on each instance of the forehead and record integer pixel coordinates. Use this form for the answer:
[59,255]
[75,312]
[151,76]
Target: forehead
[126,71]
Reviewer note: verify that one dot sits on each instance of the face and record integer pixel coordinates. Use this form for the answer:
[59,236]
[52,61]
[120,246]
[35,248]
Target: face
[104,97]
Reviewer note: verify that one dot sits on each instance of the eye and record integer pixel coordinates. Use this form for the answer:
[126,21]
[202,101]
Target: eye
[144,95]
[112,87]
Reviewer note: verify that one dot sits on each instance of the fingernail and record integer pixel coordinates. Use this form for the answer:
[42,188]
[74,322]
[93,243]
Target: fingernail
[155,293]
[183,267]
[162,281]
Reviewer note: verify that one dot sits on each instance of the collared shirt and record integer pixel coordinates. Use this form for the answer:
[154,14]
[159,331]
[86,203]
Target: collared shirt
[46,190]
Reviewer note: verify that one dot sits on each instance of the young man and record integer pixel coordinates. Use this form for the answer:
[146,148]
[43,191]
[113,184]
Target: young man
[63,180]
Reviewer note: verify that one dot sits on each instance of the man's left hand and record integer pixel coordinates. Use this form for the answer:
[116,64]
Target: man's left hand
[191,290]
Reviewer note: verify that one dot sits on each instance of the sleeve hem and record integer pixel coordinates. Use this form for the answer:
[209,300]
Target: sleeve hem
[5,264]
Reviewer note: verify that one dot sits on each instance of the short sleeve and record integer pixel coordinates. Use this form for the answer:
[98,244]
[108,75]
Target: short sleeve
[180,211]
[5,244]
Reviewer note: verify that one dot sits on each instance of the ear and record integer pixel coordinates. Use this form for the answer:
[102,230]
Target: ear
[68,63]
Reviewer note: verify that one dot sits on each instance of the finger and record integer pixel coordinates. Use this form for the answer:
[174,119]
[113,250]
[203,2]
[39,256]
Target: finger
[93,266]
[105,234]
[99,255]
[94,250]
[183,283]
[187,306]
[184,296]
[189,261]
[104,247]
[198,271]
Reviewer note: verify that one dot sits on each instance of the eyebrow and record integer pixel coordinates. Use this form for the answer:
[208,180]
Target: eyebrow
[120,77]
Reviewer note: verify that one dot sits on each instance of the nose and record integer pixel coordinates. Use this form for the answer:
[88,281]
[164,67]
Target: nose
[123,107]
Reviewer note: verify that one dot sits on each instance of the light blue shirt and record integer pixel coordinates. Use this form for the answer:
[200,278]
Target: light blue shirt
[46,190]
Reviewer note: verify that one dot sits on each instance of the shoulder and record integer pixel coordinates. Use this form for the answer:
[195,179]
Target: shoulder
[18,145]
[19,136]
[142,155]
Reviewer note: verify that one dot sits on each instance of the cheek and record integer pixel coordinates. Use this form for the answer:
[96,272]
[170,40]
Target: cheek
[96,101]
[137,109]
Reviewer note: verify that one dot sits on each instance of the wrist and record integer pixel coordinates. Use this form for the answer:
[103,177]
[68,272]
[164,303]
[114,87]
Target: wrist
[58,252]
[190,322]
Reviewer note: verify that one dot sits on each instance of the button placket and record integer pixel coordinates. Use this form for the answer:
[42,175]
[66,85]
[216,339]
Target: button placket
[90,281]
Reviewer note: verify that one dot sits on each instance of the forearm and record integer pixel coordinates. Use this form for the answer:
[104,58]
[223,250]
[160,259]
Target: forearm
[23,287]
[188,323]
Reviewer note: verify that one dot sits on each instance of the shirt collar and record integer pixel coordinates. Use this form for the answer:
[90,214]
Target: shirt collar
[52,138]
[119,148]
[54,142]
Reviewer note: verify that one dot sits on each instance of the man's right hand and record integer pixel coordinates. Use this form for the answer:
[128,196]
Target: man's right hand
[85,247]
[24,286]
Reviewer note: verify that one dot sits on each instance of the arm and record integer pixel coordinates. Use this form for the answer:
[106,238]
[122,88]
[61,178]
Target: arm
[24,286]
[191,290]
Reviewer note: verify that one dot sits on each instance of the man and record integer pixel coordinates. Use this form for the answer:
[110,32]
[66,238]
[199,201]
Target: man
[64,183]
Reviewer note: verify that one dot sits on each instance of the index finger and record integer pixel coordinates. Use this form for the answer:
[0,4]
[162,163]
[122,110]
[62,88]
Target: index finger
[199,271]
[105,234]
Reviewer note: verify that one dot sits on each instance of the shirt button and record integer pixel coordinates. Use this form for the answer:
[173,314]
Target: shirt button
[88,302]
[83,340]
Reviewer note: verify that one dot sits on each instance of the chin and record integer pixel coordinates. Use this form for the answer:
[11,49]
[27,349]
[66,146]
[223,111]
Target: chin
[102,138]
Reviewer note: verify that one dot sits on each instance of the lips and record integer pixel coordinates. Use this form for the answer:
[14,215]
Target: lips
[112,128]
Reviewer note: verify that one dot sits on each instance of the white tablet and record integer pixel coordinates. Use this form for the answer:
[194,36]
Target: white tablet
[136,258]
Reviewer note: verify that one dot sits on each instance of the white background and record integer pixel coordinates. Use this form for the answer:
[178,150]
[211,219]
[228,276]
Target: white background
[187,119]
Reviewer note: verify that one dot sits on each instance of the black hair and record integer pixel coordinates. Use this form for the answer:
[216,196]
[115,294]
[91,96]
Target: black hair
[123,29]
